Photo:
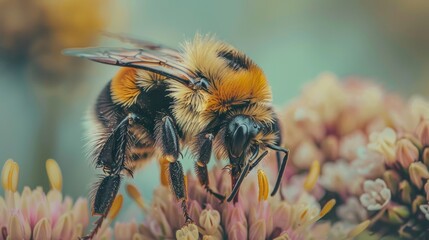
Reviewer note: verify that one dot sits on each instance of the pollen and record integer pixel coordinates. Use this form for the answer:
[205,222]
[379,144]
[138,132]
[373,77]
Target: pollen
[116,207]
[327,208]
[313,175]
[263,185]
[134,193]
[163,164]
[9,175]
[54,174]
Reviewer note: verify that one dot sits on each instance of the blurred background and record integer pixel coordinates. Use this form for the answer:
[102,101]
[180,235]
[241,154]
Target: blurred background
[44,95]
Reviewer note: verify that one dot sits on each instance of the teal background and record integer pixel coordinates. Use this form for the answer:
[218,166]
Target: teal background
[293,41]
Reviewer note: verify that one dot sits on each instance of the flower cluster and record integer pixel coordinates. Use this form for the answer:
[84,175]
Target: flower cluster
[35,32]
[373,149]
[34,214]
[254,216]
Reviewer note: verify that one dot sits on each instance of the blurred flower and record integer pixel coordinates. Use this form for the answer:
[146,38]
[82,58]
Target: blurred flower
[384,143]
[352,211]
[376,195]
[32,214]
[373,147]
[35,32]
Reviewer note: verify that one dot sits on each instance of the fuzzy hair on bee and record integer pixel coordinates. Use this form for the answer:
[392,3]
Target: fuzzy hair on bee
[208,97]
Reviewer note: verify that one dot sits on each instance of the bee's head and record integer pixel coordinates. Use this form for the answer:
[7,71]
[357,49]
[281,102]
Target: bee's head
[238,135]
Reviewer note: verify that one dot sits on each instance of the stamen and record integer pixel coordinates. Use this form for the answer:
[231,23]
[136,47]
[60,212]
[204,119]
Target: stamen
[134,193]
[263,185]
[303,214]
[54,174]
[313,175]
[116,207]
[358,229]
[9,175]
[327,208]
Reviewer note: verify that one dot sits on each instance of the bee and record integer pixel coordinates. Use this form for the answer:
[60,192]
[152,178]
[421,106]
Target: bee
[208,97]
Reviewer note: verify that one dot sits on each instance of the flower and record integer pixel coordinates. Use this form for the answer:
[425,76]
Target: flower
[254,216]
[35,33]
[34,214]
[373,147]
[376,195]
[384,143]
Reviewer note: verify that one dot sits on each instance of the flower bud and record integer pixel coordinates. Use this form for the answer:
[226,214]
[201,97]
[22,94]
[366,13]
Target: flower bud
[64,227]
[392,180]
[237,231]
[423,132]
[19,228]
[384,143]
[418,171]
[188,232]
[42,230]
[210,220]
[258,230]
[406,152]
[330,147]
[419,200]
[80,212]
[425,157]
[405,190]
[398,214]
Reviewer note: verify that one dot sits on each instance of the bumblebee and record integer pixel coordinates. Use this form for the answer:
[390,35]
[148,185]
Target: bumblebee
[208,97]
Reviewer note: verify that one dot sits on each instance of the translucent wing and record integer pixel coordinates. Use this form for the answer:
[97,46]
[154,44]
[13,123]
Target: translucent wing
[153,60]
[144,44]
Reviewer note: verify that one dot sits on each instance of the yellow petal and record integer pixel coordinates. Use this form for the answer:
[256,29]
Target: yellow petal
[328,207]
[9,176]
[5,173]
[313,175]
[116,207]
[358,229]
[134,193]
[263,185]
[54,174]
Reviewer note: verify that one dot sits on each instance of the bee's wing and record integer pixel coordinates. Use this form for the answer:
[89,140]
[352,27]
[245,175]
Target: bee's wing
[144,44]
[151,60]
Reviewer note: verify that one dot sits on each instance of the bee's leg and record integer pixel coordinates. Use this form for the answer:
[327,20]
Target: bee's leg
[282,166]
[247,168]
[167,139]
[278,157]
[112,157]
[204,150]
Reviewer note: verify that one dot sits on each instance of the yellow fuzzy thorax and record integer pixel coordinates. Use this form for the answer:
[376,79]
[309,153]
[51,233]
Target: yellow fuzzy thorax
[229,87]
[238,88]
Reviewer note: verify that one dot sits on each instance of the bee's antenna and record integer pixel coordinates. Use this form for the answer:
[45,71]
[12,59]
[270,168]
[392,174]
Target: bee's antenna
[282,166]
